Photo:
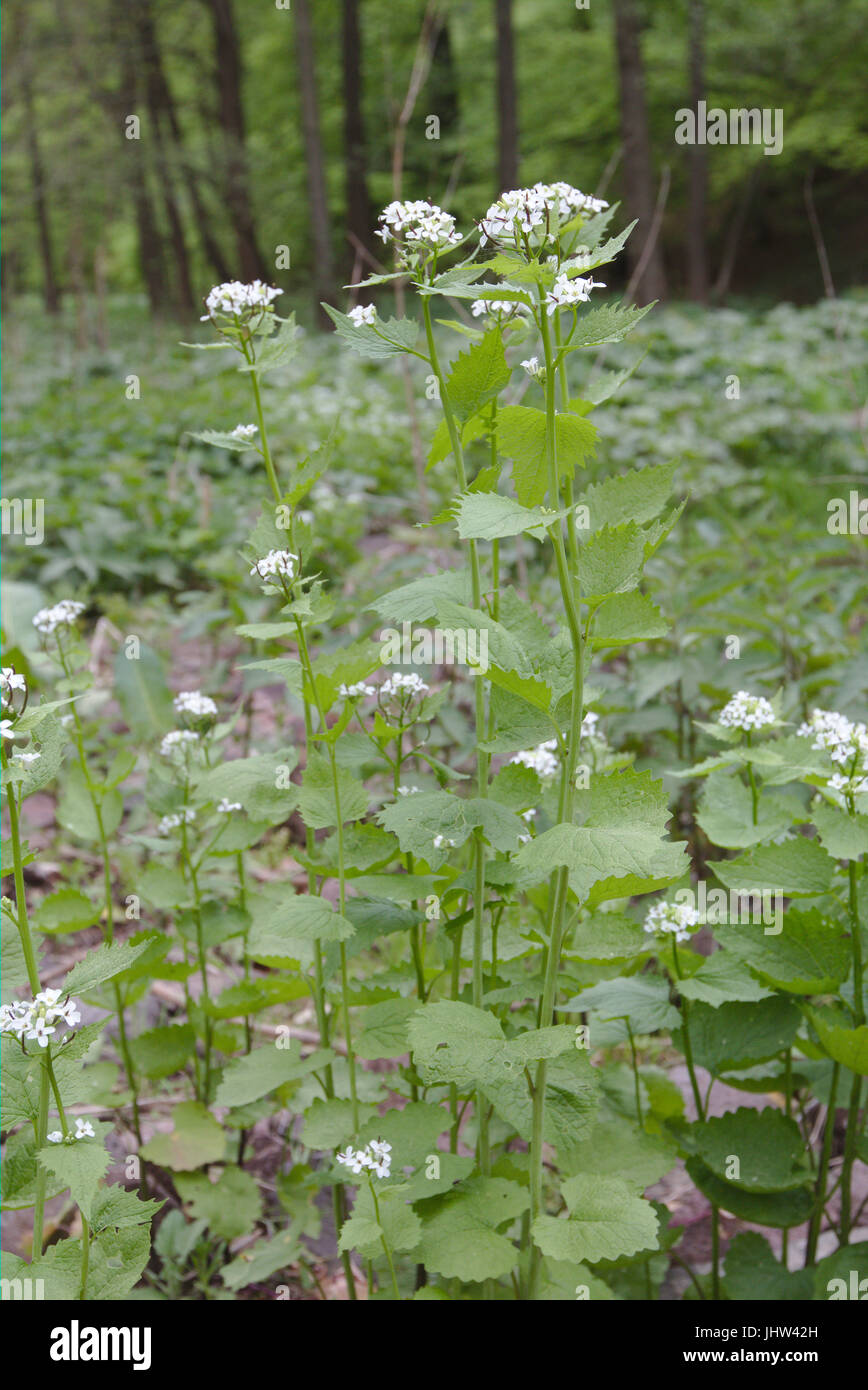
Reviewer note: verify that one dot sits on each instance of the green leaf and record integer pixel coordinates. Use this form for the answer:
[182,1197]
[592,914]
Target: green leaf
[384,1029]
[756,1150]
[841,835]
[303,918]
[385,338]
[639,496]
[625,816]
[489,516]
[477,376]
[19,1169]
[751,1273]
[102,964]
[811,955]
[264,1070]
[797,868]
[723,979]
[276,350]
[779,1209]
[316,798]
[725,813]
[848,1046]
[195,1139]
[259,783]
[460,1239]
[417,601]
[66,910]
[164,888]
[163,1051]
[221,439]
[454,1042]
[737,1035]
[398,1223]
[264,1258]
[607,324]
[625,618]
[141,690]
[521,436]
[80,1167]
[606,1221]
[617,1147]
[418,819]
[116,1261]
[75,810]
[610,562]
[643,999]
[119,1209]
[329,1123]
[231,1205]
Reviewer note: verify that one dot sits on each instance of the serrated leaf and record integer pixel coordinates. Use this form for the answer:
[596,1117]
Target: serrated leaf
[231,1206]
[264,1070]
[521,436]
[477,376]
[606,1221]
[797,868]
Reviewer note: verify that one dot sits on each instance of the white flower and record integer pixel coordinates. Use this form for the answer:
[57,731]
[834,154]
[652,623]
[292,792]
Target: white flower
[533,368]
[376,1157]
[55,1137]
[672,918]
[411,683]
[178,741]
[195,704]
[276,562]
[37,1020]
[84,1129]
[482,308]
[356,690]
[28,759]
[418,224]
[10,681]
[244,431]
[845,742]
[234,299]
[589,725]
[746,711]
[852,786]
[40,1030]
[64,613]
[363,313]
[567,292]
[7,729]
[185,816]
[441,842]
[225,806]
[409,791]
[542,760]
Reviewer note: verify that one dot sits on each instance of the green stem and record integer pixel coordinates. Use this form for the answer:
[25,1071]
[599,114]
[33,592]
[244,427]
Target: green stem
[385,1244]
[851,1137]
[85,1255]
[822,1174]
[482,758]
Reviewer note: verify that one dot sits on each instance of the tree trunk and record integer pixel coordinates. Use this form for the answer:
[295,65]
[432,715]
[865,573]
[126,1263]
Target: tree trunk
[18,38]
[638,167]
[165,116]
[359,215]
[230,117]
[697,159]
[323,272]
[184,300]
[507,102]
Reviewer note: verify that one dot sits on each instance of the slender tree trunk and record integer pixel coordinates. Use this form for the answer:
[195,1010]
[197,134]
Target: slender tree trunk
[230,116]
[50,286]
[359,216]
[323,270]
[697,258]
[185,301]
[507,99]
[638,166]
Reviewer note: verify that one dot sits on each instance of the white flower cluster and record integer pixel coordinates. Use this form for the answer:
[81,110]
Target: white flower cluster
[566,292]
[363,313]
[356,690]
[377,1157]
[39,1019]
[10,681]
[673,918]
[234,299]
[589,725]
[852,786]
[194,704]
[225,806]
[63,614]
[442,842]
[244,431]
[276,562]
[523,210]
[83,1130]
[542,760]
[533,368]
[845,742]
[482,307]
[746,711]
[399,683]
[418,224]
[186,816]
[178,741]
[409,791]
